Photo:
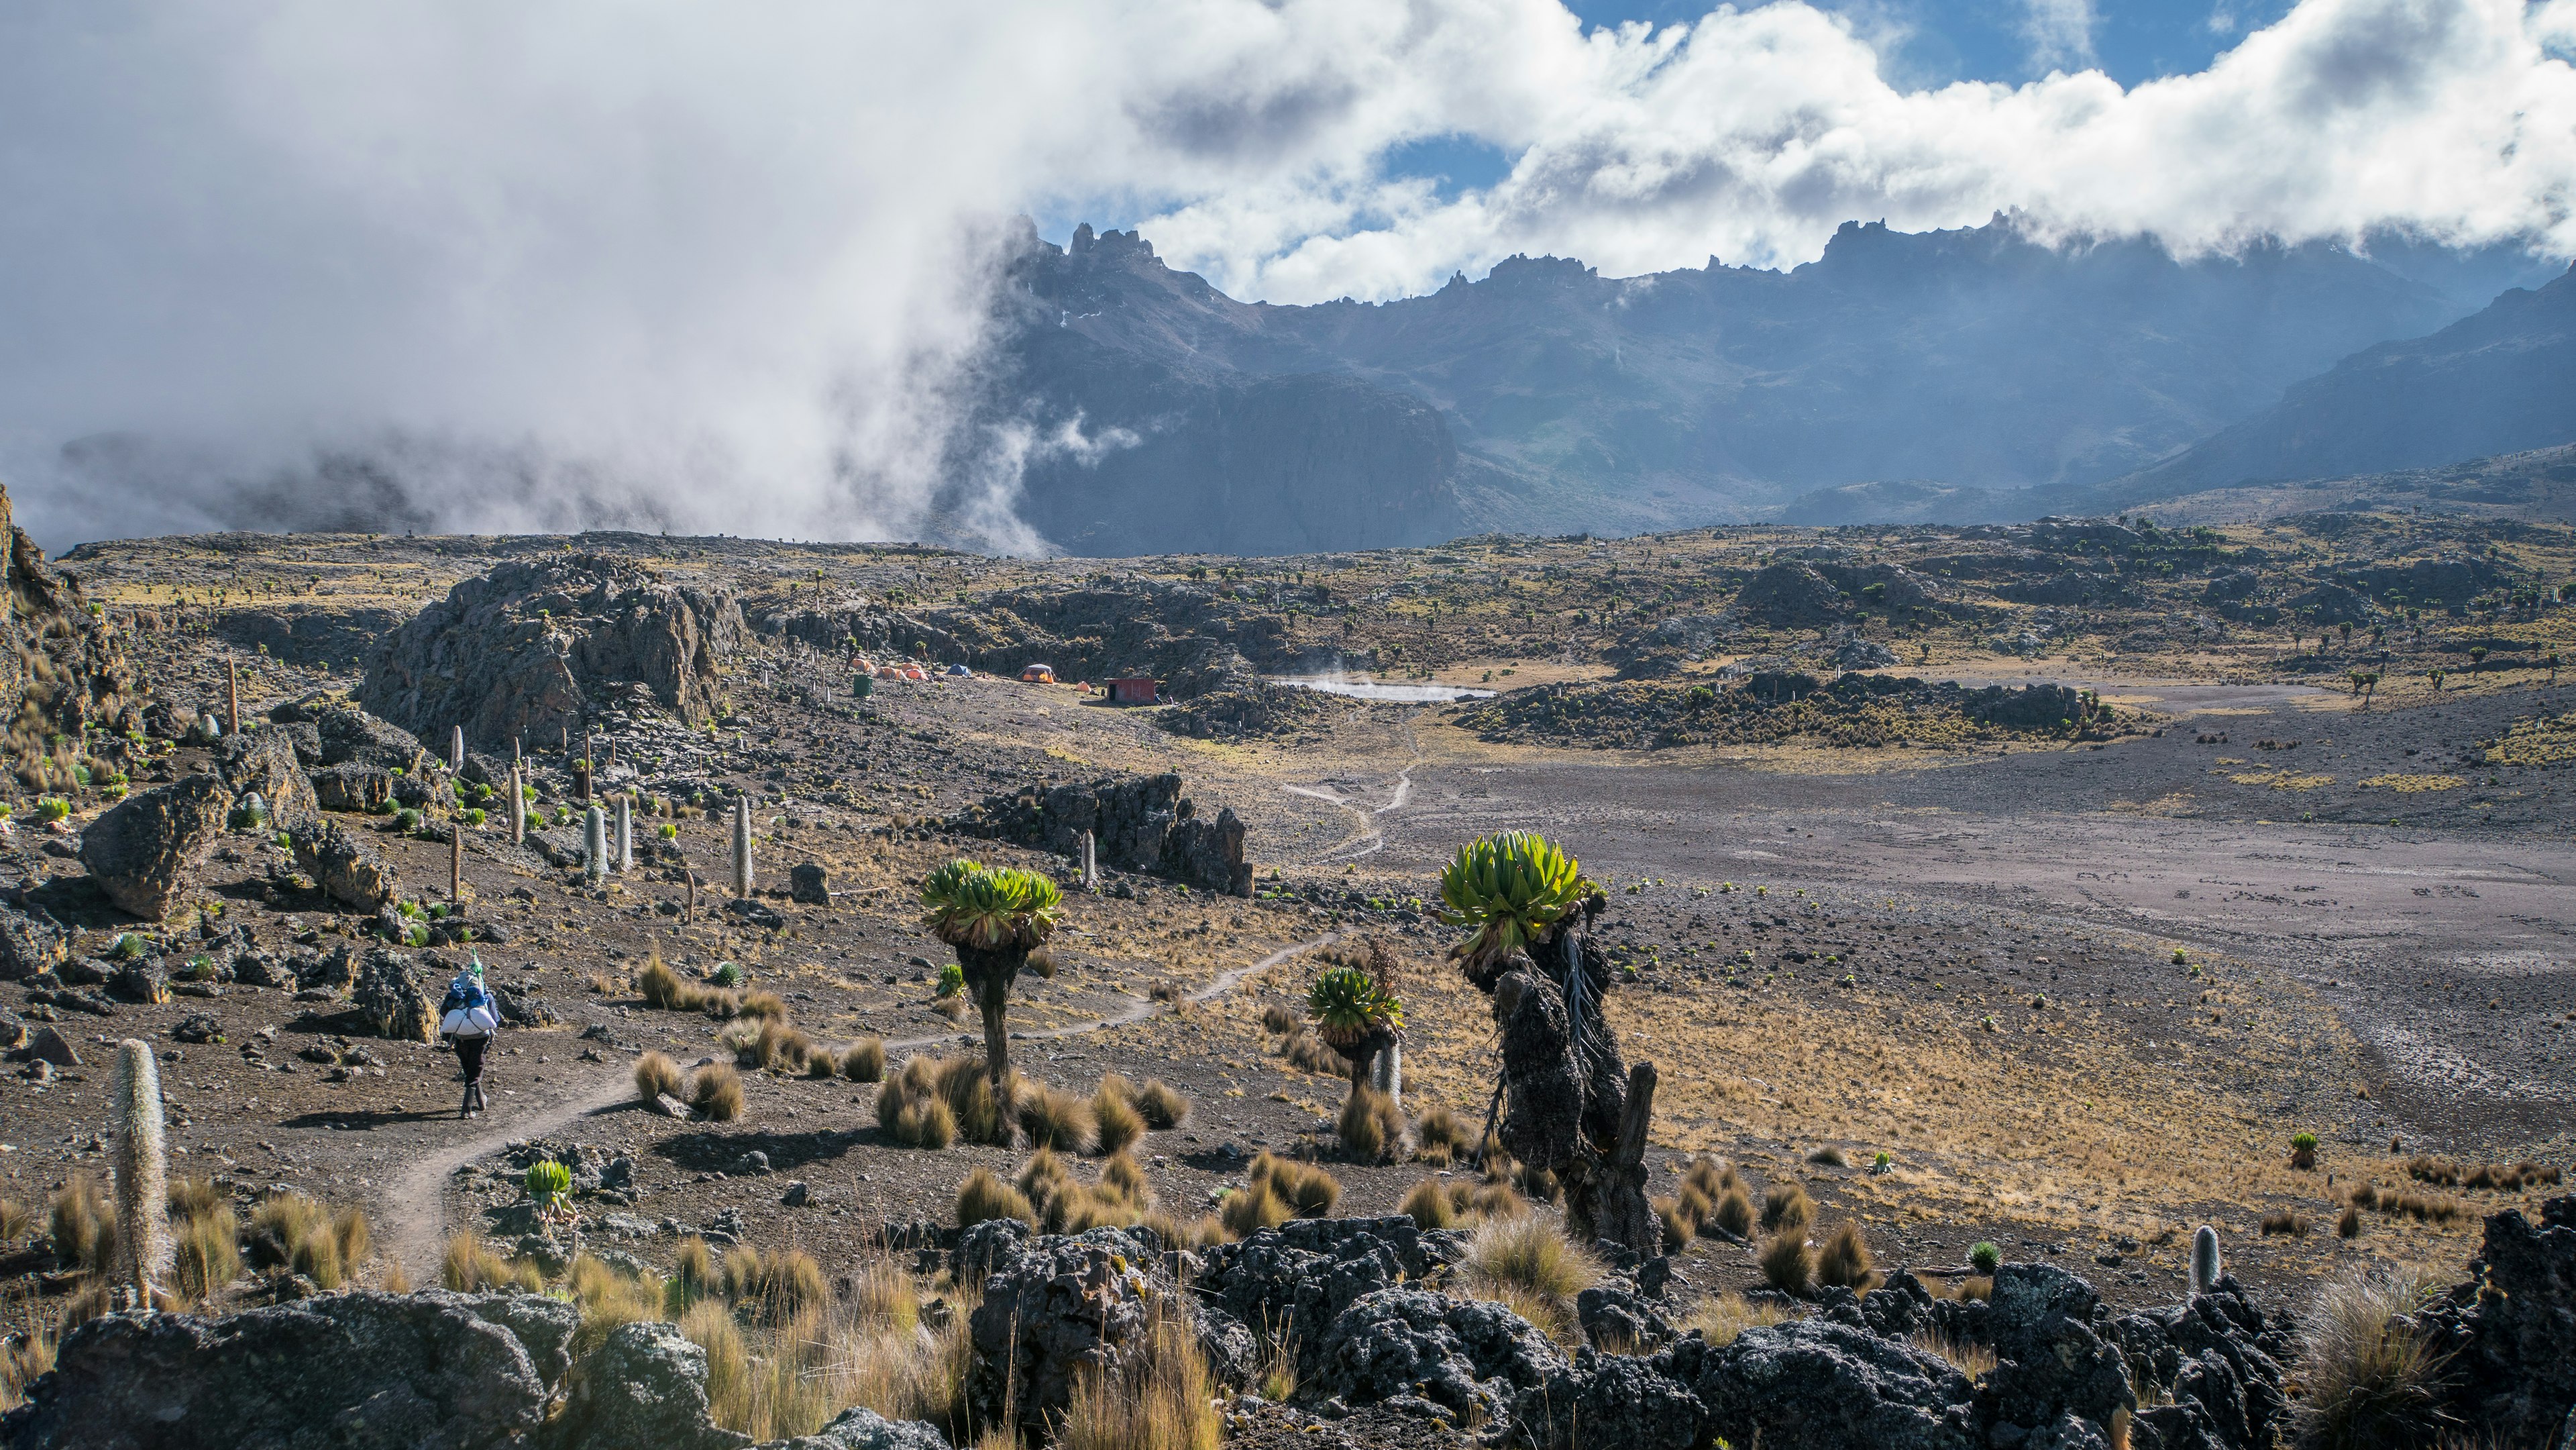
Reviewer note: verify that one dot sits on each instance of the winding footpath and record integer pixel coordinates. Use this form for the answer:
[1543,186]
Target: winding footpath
[414,1212]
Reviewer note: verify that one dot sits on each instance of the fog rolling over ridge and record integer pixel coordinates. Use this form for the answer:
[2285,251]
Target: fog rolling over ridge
[469,266]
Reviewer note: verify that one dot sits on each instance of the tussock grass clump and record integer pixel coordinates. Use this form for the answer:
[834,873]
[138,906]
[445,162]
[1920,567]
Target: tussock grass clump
[1371,1126]
[208,1254]
[764,1005]
[1252,1208]
[15,1221]
[716,1093]
[610,1297]
[1721,1317]
[1054,1118]
[192,1196]
[775,1287]
[693,1271]
[1308,1053]
[1440,1138]
[2369,1381]
[1278,1020]
[711,1327]
[1829,1157]
[81,1224]
[24,1359]
[2287,1222]
[1530,1266]
[1306,1188]
[1732,1212]
[1972,1360]
[1161,1399]
[772,1046]
[983,1197]
[1428,1204]
[661,988]
[1161,1105]
[295,1232]
[469,1266]
[865,1061]
[657,1077]
[1785,1206]
[1787,1264]
[1844,1259]
[1116,1124]
[2348,1224]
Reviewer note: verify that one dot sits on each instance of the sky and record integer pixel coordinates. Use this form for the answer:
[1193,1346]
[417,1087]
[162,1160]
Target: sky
[478,264]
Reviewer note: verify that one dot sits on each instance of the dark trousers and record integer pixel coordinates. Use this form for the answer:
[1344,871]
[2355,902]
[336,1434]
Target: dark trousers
[469,1056]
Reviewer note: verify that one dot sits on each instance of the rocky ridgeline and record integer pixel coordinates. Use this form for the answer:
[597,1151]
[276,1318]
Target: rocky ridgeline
[1142,823]
[1359,1298]
[1771,705]
[536,649]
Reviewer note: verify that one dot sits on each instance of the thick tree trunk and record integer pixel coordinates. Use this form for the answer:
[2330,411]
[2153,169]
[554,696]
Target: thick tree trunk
[1628,1219]
[994,1004]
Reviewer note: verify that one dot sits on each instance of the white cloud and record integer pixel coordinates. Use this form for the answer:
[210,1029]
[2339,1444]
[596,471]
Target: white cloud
[723,268]
[2060,32]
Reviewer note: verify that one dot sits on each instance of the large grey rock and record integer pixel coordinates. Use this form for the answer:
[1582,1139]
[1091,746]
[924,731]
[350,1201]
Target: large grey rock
[388,995]
[1813,1385]
[345,867]
[145,851]
[266,761]
[1470,1358]
[356,1371]
[1065,1305]
[1293,1281]
[355,737]
[2508,1331]
[1790,593]
[519,652]
[864,1429]
[2219,1357]
[2051,1363]
[645,1385]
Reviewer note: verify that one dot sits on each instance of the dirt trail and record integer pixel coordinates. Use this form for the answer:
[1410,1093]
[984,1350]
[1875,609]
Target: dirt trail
[1370,839]
[414,1210]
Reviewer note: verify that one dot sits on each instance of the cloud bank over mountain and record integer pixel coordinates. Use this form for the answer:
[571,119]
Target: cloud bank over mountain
[489,266]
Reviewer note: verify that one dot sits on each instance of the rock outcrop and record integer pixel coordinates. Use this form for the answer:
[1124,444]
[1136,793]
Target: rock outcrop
[1141,823]
[145,851]
[30,942]
[646,1384]
[1062,1306]
[1790,594]
[61,667]
[389,996]
[520,652]
[358,1370]
[344,867]
[266,761]
[1462,1359]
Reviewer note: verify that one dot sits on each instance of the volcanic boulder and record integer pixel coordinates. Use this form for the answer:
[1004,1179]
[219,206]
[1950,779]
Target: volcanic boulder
[359,1370]
[1064,1306]
[520,652]
[1141,823]
[61,668]
[265,761]
[1789,594]
[389,996]
[344,867]
[144,851]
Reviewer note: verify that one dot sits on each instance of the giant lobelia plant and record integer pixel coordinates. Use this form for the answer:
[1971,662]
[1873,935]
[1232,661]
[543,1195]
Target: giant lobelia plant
[997,919]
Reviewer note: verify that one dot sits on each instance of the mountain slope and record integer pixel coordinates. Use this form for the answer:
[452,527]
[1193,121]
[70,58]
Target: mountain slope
[1158,413]
[2502,381]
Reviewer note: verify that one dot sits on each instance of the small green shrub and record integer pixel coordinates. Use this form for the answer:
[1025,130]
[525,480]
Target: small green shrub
[1985,1258]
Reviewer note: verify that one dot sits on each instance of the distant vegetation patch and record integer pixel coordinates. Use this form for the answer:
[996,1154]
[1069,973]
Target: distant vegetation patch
[2550,741]
[2410,784]
[1854,710]
[1255,711]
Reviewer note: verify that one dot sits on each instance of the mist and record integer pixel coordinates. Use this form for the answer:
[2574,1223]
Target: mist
[485,267]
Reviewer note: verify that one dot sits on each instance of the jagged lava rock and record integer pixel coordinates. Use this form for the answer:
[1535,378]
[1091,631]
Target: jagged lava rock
[645,1385]
[389,997]
[1065,1305]
[145,851]
[1468,1357]
[518,652]
[266,761]
[358,1370]
[1816,1385]
[344,867]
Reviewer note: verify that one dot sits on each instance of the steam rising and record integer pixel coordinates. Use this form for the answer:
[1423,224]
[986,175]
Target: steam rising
[485,266]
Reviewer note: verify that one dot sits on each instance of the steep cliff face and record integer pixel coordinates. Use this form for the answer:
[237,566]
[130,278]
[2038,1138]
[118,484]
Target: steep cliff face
[1166,418]
[2503,381]
[1548,398]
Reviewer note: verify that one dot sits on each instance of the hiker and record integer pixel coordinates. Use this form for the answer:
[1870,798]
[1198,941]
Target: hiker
[467,1019]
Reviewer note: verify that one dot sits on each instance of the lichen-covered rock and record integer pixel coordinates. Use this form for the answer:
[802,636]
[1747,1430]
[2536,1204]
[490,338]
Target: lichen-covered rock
[1811,1385]
[346,869]
[1064,1306]
[518,653]
[645,1385]
[265,761]
[362,1370]
[389,996]
[354,737]
[145,851]
[865,1429]
[984,1247]
[1608,1402]
[1471,1358]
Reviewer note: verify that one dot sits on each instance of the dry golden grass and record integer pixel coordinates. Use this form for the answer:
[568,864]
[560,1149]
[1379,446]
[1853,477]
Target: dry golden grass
[208,1253]
[1844,1259]
[1371,1126]
[1054,1118]
[983,1197]
[865,1061]
[1116,1122]
[1721,1317]
[656,1077]
[1160,1399]
[82,1223]
[716,1093]
[1162,1105]
[1787,1264]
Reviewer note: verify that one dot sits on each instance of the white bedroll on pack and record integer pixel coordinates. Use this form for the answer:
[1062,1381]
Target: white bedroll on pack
[469,1010]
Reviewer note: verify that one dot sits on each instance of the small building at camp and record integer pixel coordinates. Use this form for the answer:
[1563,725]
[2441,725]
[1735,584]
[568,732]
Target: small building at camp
[1132,690]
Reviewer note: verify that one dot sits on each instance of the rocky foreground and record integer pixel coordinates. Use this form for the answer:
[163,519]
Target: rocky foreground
[1353,1301]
